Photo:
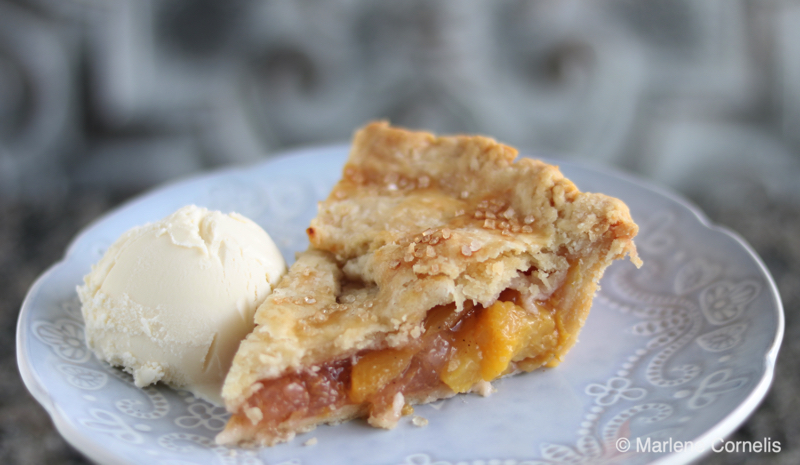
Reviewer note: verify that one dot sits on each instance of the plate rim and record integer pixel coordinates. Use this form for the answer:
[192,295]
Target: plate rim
[739,415]
[721,429]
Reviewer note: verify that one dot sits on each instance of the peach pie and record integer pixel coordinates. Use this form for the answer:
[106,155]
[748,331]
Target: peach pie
[436,265]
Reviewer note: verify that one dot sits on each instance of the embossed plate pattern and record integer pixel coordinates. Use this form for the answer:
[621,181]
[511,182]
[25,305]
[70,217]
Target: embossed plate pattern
[683,348]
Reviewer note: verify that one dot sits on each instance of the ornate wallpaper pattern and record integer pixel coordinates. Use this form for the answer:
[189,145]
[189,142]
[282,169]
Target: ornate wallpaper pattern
[124,94]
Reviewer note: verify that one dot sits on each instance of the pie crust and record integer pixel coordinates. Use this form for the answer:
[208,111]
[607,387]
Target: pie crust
[436,265]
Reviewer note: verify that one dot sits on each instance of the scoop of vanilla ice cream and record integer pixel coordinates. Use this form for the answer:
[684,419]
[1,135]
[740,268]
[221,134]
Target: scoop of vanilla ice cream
[170,301]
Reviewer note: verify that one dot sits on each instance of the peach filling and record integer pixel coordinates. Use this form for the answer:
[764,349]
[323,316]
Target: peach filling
[456,351]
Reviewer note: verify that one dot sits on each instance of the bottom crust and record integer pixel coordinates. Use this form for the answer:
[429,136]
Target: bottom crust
[240,430]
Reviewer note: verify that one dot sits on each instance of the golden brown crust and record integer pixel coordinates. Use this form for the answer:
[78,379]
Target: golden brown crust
[419,221]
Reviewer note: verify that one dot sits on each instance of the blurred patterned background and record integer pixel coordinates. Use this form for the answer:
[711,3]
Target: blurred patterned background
[102,99]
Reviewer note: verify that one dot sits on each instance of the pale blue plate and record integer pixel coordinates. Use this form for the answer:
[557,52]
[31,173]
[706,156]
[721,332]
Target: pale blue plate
[682,350]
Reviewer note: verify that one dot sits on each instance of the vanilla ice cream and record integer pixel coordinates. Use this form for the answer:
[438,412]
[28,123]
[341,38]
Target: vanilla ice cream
[170,301]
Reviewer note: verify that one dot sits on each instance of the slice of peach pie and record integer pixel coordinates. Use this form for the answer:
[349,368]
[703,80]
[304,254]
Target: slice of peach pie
[437,265]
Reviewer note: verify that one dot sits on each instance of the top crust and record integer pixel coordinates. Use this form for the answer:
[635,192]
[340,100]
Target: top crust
[418,221]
